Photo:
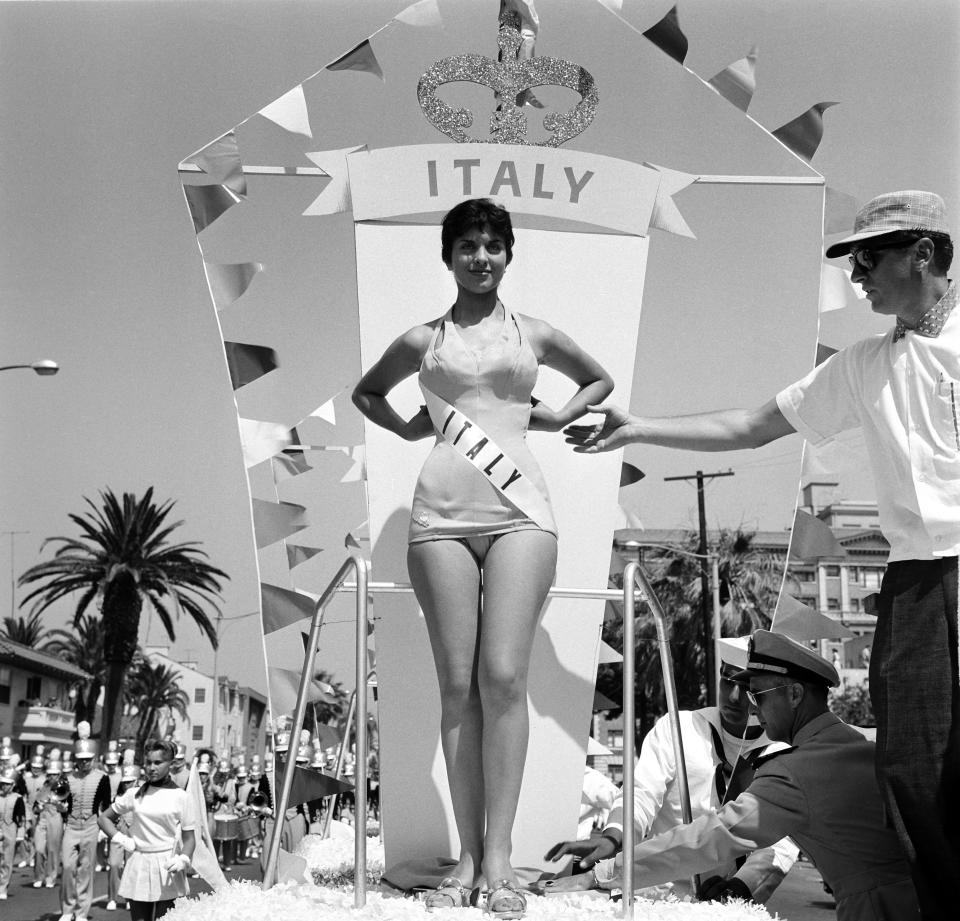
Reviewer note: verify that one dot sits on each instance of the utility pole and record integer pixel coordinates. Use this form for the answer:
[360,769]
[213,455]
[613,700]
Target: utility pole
[13,573]
[705,605]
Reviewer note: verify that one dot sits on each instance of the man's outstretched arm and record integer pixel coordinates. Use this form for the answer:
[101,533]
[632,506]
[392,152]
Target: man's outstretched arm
[722,430]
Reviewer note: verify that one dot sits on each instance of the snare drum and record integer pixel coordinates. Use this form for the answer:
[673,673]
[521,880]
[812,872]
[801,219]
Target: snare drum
[249,827]
[226,826]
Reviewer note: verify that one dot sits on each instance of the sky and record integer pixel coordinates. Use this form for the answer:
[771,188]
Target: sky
[100,268]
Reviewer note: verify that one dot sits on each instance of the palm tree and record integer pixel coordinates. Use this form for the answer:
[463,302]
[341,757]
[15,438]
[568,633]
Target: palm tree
[28,631]
[83,647]
[750,581]
[121,560]
[154,690]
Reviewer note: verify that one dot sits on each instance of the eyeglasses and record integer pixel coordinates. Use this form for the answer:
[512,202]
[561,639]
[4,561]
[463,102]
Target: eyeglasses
[753,695]
[866,258]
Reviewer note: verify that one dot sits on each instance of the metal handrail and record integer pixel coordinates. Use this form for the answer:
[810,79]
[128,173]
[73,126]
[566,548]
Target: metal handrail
[633,574]
[361,566]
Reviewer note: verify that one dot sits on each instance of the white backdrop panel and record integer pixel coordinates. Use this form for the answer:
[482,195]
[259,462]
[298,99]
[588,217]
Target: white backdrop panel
[590,286]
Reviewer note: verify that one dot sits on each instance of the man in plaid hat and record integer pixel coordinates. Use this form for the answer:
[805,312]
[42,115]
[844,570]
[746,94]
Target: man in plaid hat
[903,389]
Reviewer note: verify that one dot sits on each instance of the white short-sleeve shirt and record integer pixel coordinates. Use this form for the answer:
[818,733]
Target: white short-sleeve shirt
[906,397]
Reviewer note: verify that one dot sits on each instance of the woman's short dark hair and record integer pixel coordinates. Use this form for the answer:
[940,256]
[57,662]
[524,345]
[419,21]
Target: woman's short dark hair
[475,214]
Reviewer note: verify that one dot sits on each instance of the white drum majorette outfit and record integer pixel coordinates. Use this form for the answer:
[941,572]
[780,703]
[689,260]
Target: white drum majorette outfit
[155,819]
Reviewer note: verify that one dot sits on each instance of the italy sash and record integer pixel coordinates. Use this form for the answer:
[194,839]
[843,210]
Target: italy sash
[473,444]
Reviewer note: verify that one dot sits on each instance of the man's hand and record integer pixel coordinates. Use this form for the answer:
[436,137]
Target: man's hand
[718,889]
[580,882]
[614,432]
[588,852]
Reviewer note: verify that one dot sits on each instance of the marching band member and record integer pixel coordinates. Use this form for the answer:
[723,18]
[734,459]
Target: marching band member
[12,817]
[50,806]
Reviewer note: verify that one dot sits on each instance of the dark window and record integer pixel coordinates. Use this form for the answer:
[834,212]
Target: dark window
[198,733]
[199,695]
[34,691]
[5,680]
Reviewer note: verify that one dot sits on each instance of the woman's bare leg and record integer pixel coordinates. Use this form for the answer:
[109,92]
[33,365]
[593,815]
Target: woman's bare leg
[518,571]
[446,578]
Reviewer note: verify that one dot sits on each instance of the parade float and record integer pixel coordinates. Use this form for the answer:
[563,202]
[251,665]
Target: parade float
[585,129]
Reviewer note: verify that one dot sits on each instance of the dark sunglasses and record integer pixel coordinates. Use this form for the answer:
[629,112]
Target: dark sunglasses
[866,259]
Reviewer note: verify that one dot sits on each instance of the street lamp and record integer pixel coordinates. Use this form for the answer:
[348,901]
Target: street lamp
[45,367]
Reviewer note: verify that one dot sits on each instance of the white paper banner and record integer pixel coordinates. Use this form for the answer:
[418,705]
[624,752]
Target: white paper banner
[567,184]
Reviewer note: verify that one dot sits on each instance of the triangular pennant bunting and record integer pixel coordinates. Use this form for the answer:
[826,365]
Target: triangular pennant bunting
[629,474]
[738,82]
[207,203]
[837,290]
[274,521]
[421,13]
[668,36]
[290,112]
[220,160]
[361,58]
[247,362]
[839,211]
[802,623]
[261,440]
[281,607]
[229,280]
[297,554]
[804,133]
[824,352]
[812,538]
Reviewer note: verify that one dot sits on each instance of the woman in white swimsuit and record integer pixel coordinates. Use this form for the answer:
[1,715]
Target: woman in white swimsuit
[483,545]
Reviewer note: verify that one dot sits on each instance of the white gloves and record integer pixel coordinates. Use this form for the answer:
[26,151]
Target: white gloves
[177,864]
[125,841]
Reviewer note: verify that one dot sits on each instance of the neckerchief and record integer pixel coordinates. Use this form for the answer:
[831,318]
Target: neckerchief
[931,323]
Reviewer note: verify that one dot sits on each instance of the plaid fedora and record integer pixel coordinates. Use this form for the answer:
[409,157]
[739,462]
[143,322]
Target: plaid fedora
[893,211]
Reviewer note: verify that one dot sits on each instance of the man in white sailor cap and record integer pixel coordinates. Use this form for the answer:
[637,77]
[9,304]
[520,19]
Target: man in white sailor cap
[821,790]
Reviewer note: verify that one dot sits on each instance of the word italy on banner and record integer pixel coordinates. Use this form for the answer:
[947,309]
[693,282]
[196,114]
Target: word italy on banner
[571,185]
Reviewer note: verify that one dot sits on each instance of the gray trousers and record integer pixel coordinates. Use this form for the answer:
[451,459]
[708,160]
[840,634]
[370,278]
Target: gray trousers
[79,857]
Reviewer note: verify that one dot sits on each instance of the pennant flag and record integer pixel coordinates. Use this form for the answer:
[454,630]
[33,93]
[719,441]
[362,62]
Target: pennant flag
[608,655]
[668,36]
[802,623]
[630,474]
[837,290]
[290,112]
[290,462]
[207,203]
[204,859]
[361,58]
[839,211]
[310,784]
[666,216]
[273,521]
[247,362]
[261,440]
[421,13]
[358,472]
[335,196]
[292,868]
[284,686]
[738,82]
[603,703]
[221,161]
[228,280]
[355,535]
[595,748]
[804,133]
[812,538]
[824,352]
[281,607]
[327,412]
[297,554]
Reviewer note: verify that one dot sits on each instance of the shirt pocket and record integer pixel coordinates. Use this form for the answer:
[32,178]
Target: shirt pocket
[946,408]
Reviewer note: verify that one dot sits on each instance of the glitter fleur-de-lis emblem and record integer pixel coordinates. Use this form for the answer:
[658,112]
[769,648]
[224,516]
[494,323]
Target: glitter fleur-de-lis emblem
[509,78]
